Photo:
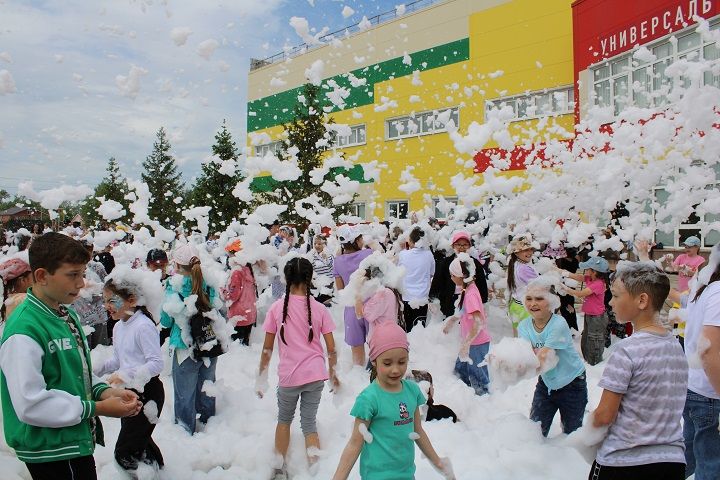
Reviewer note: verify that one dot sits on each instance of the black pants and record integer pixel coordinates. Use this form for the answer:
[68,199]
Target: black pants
[651,471]
[74,469]
[414,315]
[135,443]
[242,334]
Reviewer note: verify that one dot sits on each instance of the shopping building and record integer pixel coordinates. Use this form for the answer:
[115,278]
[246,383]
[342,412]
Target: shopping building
[417,68]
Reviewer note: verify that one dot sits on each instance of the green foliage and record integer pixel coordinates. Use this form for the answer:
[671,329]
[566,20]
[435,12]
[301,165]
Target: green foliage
[214,189]
[164,182]
[112,187]
[307,133]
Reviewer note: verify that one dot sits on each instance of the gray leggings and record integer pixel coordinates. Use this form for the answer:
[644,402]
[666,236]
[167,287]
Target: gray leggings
[592,340]
[309,395]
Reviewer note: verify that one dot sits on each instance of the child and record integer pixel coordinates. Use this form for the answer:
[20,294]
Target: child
[385,305]
[136,362]
[419,266]
[688,263]
[519,273]
[301,321]
[241,293]
[592,340]
[16,278]
[189,373]
[388,411]
[50,398]
[473,326]
[157,259]
[644,385]
[562,385]
[323,265]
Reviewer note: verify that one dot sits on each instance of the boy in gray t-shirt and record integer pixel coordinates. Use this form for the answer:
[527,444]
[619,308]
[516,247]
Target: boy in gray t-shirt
[644,385]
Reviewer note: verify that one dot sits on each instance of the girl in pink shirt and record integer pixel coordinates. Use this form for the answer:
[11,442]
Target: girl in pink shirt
[384,305]
[241,295]
[299,320]
[475,339]
[687,264]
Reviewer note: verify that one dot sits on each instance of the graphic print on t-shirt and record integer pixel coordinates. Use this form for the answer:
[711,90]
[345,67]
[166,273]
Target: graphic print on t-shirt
[404,414]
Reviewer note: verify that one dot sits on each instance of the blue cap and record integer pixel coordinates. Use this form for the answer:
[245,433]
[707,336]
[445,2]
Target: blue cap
[692,241]
[598,264]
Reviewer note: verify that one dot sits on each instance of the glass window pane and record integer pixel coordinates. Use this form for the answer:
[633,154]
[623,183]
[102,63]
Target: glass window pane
[427,121]
[559,101]
[412,127]
[667,239]
[711,52]
[602,93]
[686,42]
[522,105]
[361,134]
[663,50]
[543,104]
[402,210]
[620,66]
[601,72]
[620,92]
[455,116]
[641,82]
[392,129]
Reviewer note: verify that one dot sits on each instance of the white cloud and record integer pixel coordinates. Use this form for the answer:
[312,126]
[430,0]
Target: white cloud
[130,85]
[7,83]
[207,47]
[180,35]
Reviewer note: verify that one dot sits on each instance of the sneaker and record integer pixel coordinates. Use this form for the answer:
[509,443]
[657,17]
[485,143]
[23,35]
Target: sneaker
[279,474]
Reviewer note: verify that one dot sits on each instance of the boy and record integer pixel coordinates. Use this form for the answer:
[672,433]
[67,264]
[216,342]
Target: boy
[645,384]
[49,396]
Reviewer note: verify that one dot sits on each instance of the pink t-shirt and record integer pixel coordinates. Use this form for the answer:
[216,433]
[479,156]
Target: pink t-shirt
[301,362]
[688,266]
[471,304]
[594,304]
[380,308]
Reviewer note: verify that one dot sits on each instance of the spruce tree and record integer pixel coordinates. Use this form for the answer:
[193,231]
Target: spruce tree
[112,187]
[308,133]
[164,182]
[214,189]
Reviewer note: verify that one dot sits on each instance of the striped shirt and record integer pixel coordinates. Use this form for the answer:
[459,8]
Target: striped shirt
[651,373]
[323,266]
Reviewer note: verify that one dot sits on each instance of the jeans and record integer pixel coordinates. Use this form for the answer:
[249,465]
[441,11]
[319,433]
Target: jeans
[702,439]
[472,375]
[570,400]
[188,380]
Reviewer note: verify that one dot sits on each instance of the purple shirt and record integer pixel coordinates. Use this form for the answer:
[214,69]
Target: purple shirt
[347,263]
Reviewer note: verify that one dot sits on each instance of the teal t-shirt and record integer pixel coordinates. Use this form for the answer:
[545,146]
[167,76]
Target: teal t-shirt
[555,335]
[391,455]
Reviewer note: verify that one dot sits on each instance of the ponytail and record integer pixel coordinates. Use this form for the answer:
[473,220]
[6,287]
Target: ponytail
[196,276]
[713,278]
[511,274]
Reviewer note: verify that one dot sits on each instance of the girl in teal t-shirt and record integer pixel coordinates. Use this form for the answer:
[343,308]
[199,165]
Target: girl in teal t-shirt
[387,417]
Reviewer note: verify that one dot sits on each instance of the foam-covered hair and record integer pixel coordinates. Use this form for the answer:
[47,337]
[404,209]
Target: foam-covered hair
[546,288]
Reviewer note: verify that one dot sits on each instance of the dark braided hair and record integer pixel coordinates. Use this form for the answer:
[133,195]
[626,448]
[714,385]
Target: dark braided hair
[298,271]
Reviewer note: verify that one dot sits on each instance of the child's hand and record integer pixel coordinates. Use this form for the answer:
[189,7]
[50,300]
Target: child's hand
[118,407]
[464,354]
[449,324]
[115,380]
[444,468]
[261,385]
[334,382]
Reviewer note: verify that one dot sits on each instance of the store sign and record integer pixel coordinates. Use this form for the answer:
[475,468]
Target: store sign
[655,26]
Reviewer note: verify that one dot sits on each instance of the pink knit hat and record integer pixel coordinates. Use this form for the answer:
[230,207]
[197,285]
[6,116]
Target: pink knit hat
[386,336]
[13,269]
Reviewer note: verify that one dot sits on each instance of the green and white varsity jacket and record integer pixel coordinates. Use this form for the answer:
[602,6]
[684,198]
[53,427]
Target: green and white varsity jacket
[48,390]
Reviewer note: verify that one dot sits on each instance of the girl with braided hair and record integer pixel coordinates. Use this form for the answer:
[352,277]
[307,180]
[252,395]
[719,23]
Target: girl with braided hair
[299,321]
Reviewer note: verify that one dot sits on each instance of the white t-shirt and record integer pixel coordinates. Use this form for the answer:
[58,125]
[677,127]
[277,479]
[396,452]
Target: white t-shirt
[419,266]
[650,371]
[705,311]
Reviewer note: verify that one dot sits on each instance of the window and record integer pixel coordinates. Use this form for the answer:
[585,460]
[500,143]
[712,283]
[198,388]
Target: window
[688,227]
[397,209]
[538,104]
[262,150]
[357,210]
[422,123]
[356,137]
[439,214]
[624,80]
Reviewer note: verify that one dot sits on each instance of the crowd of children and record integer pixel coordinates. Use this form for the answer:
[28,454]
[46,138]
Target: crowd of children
[52,401]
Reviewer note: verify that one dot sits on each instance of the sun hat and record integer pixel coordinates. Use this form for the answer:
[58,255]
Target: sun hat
[598,264]
[347,234]
[386,336]
[13,269]
[520,243]
[184,254]
[692,241]
[459,236]
[234,246]
[156,256]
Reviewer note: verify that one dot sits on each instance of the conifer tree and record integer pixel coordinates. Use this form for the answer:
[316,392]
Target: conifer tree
[164,182]
[217,180]
[112,187]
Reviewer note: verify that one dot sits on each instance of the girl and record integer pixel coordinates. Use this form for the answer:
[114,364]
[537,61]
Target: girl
[136,363]
[519,273]
[473,326]
[189,374]
[592,340]
[16,280]
[387,416]
[322,263]
[384,305]
[345,264]
[300,321]
[562,385]
[688,263]
[419,266]
[702,348]
[241,294]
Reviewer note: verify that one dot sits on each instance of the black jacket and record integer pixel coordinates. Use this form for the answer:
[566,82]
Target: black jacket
[443,288]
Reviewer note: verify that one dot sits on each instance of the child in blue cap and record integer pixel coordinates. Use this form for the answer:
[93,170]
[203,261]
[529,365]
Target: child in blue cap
[594,278]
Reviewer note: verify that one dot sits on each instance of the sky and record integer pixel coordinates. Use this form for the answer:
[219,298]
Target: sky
[81,81]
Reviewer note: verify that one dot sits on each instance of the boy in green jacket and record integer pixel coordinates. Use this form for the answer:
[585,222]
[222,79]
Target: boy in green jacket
[50,398]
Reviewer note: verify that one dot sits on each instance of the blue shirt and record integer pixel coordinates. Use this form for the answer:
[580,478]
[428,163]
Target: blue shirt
[555,335]
[169,322]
